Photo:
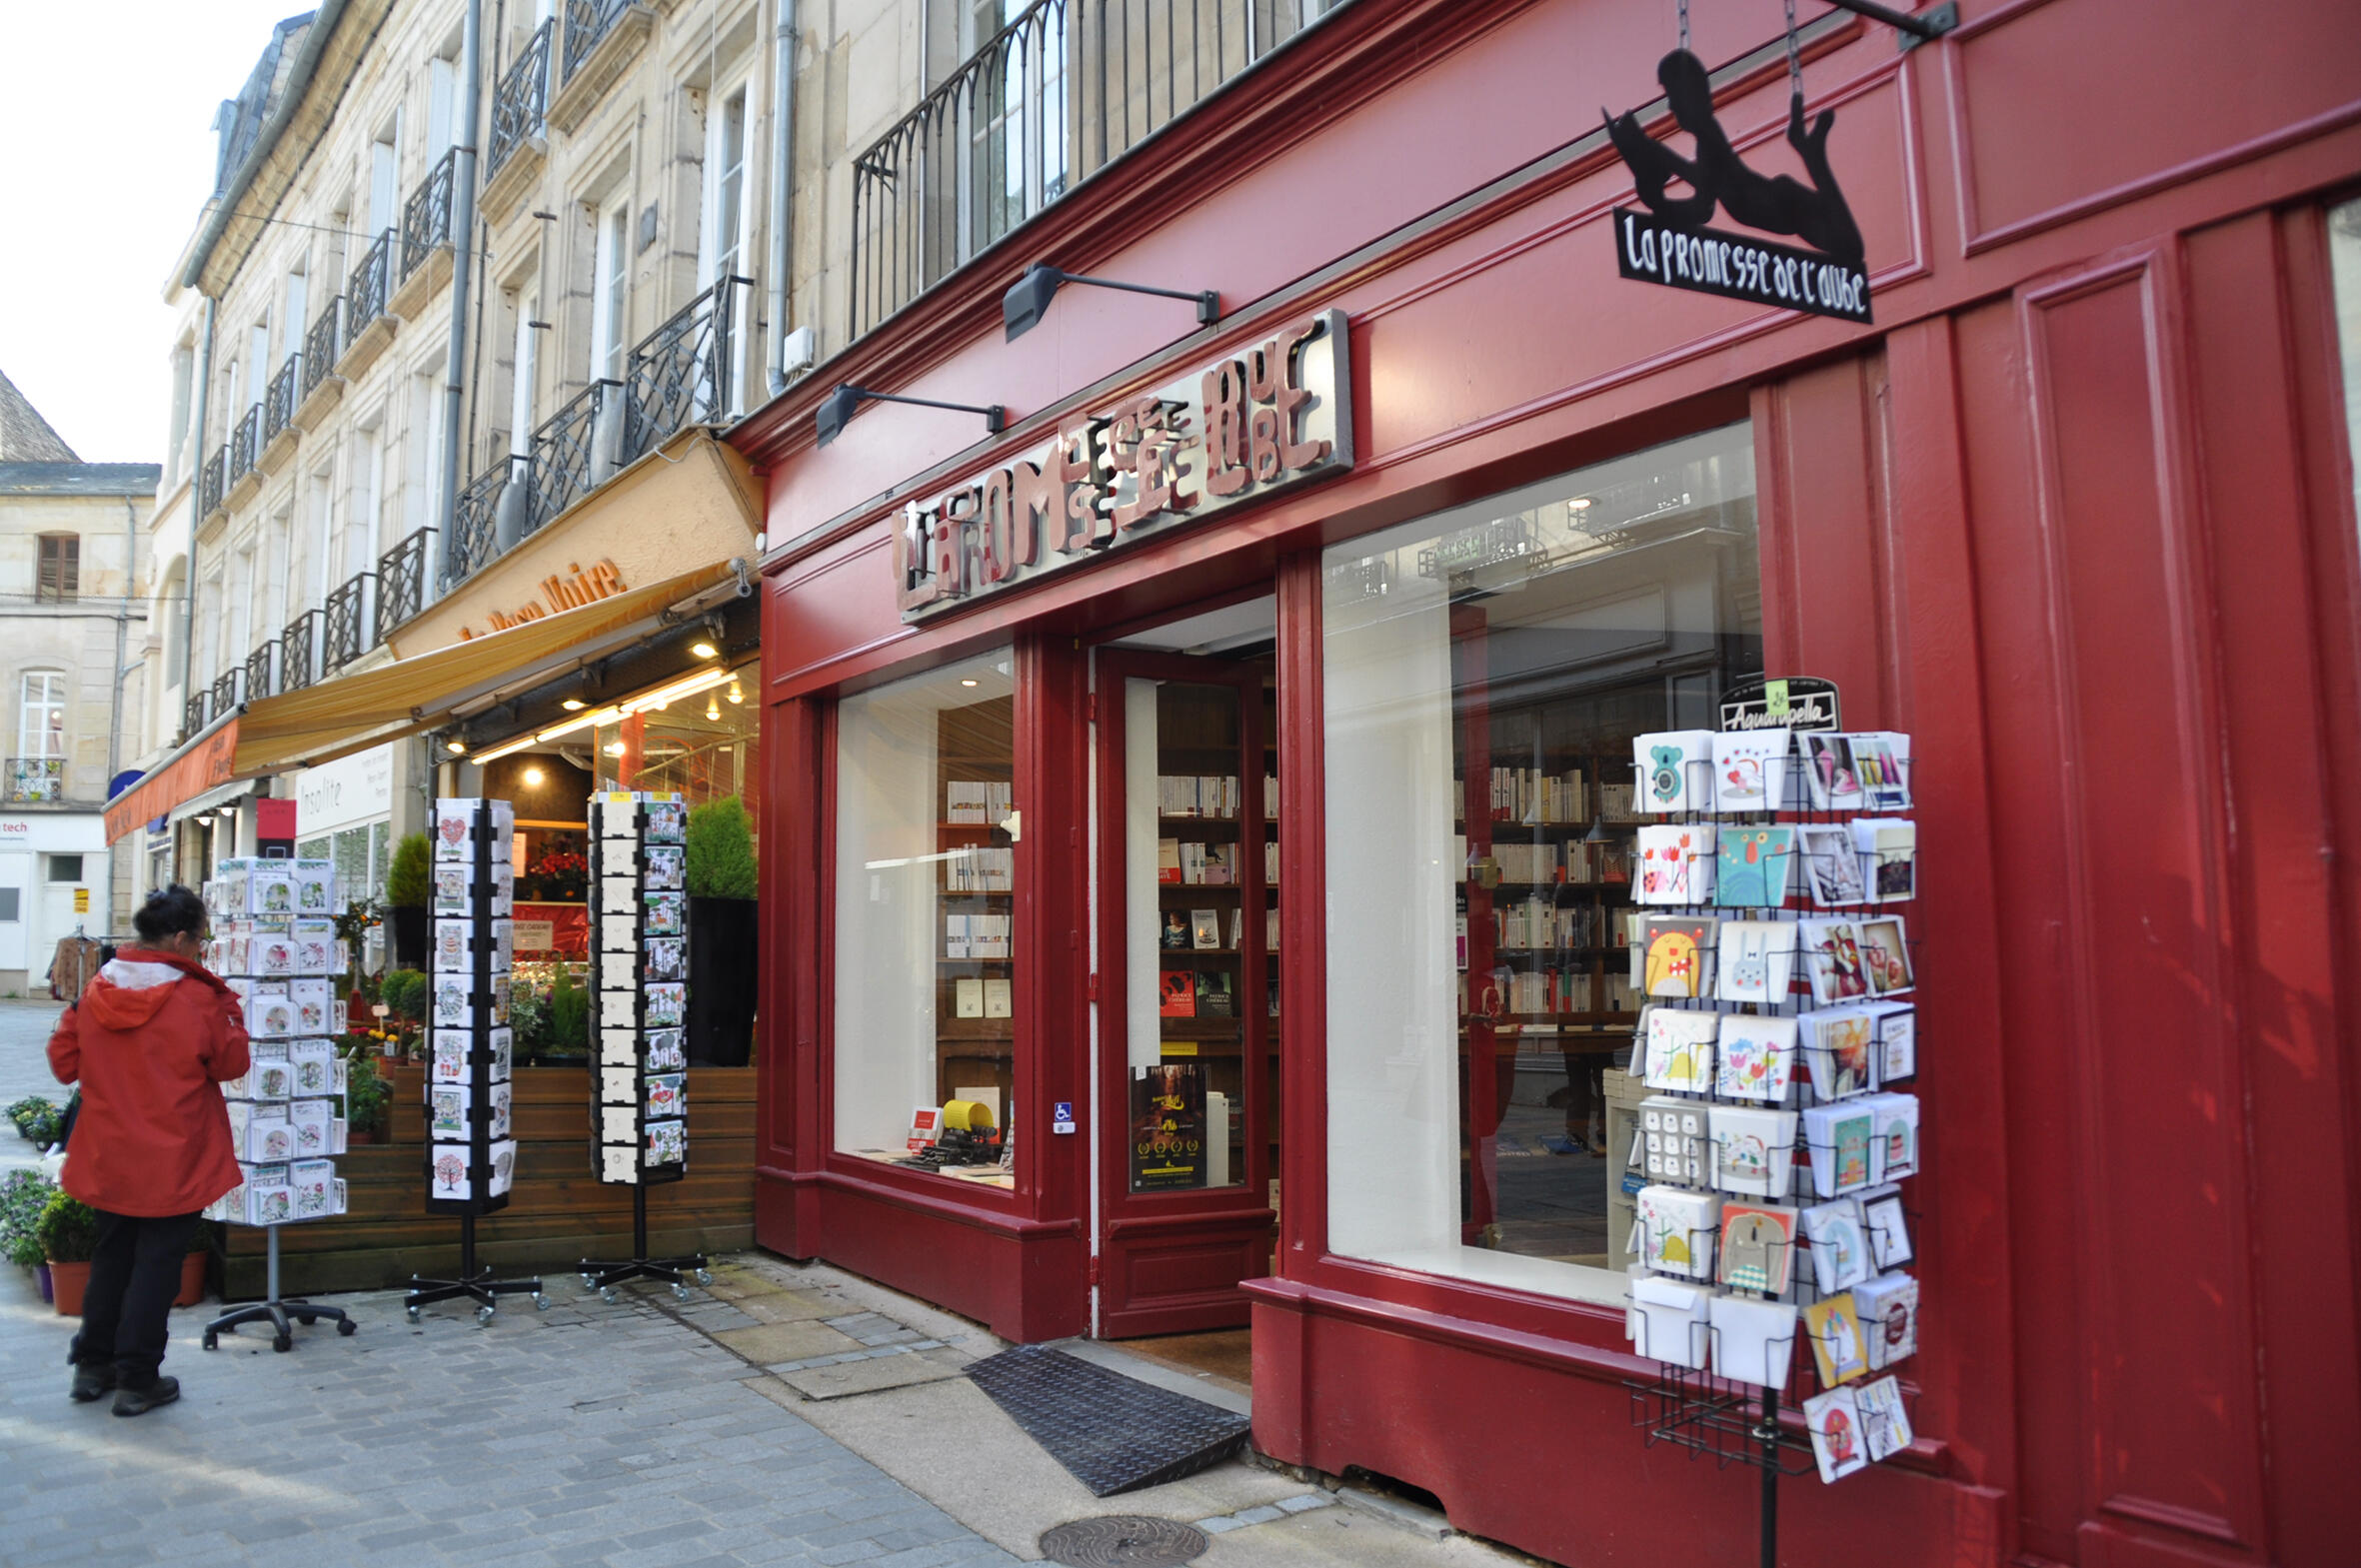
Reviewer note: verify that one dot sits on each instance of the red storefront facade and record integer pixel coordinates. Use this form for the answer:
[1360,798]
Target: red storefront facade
[2077,513]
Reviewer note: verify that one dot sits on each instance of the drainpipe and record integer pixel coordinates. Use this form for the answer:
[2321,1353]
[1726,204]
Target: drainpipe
[121,630]
[463,245]
[783,153]
[188,620]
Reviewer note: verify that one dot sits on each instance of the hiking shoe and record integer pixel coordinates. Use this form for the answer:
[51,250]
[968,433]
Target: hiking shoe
[92,1381]
[139,1401]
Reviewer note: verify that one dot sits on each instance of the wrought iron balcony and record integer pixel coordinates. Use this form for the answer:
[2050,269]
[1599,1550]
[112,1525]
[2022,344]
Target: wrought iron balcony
[299,651]
[679,373]
[258,671]
[1053,97]
[278,404]
[568,460]
[521,99]
[425,218]
[192,714]
[365,292]
[210,481]
[475,520]
[322,344]
[224,696]
[586,24]
[345,630]
[245,443]
[35,779]
[401,582]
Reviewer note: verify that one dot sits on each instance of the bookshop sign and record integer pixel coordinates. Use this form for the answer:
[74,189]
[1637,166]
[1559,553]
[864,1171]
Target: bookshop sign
[1239,429]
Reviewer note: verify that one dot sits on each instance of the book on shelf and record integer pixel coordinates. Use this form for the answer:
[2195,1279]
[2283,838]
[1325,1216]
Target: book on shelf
[1205,930]
[955,936]
[1271,983]
[1221,865]
[1238,929]
[1216,998]
[1167,860]
[1176,931]
[1271,863]
[988,936]
[1176,994]
[998,999]
[968,999]
[1271,933]
[1528,795]
[1194,794]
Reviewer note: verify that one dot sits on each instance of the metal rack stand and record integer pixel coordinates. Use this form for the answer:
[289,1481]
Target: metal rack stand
[1707,1415]
[281,1315]
[603,1278]
[475,1284]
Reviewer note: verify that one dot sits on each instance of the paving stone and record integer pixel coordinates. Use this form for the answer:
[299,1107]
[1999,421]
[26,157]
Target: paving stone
[776,1343]
[873,1374]
[777,1306]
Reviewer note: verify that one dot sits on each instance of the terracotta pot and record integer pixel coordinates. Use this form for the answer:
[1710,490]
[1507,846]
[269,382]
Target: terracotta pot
[192,1280]
[66,1281]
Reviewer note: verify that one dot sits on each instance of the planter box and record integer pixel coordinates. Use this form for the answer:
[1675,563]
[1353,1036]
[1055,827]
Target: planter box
[67,1282]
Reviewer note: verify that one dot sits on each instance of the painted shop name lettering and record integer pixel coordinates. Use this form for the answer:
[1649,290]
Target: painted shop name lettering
[567,589]
[1237,430]
[1710,261]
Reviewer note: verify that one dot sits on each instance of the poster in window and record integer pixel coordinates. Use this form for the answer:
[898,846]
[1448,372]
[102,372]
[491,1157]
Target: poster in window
[1168,1127]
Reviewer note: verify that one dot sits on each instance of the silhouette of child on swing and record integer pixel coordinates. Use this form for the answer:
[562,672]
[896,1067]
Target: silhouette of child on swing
[1816,213]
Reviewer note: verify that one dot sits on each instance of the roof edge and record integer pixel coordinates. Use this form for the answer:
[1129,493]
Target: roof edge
[299,80]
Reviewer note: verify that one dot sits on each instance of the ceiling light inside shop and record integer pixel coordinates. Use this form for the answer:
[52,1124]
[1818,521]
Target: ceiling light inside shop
[504,748]
[574,704]
[533,777]
[614,748]
[663,696]
[966,680]
[735,693]
[454,745]
[703,650]
[605,715]
[712,705]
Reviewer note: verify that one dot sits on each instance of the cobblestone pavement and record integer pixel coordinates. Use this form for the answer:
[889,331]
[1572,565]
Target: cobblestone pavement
[588,1434]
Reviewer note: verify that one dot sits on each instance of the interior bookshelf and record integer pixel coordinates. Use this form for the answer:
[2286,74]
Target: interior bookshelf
[975,964]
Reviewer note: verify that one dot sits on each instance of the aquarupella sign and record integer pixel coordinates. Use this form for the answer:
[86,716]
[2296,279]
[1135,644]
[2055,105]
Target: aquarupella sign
[1238,429]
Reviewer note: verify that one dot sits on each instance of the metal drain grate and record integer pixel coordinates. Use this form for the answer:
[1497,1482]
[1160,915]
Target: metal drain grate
[1113,1433]
[1123,1541]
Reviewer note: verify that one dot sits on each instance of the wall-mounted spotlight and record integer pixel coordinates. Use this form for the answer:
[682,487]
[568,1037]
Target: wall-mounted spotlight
[455,747]
[1029,296]
[839,405]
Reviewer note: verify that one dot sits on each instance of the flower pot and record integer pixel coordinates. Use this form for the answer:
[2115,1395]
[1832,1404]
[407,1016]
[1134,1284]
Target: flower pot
[410,929]
[67,1282]
[192,1280]
[723,977]
[41,1279]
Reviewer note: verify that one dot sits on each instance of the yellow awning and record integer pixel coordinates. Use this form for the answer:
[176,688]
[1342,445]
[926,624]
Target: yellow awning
[352,712]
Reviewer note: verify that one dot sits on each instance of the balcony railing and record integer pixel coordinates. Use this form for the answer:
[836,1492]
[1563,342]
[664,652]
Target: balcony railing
[401,582]
[520,101]
[586,24]
[224,696]
[192,714]
[320,345]
[568,460]
[299,651]
[258,671]
[1053,98]
[365,292]
[33,779]
[345,627]
[679,373]
[210,481]
[278,404]
[245,443]
[425,218]
[475,520]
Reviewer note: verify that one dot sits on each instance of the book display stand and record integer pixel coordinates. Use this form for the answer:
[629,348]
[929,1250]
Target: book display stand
[276,947]
[1778,994]
[471,1142]
[639,985]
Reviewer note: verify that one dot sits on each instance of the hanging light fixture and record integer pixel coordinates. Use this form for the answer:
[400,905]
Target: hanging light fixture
[737,693]
[712,705]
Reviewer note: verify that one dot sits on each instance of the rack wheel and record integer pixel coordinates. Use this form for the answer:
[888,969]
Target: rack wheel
[413,1313]
[347,1327]
[680,1291]
[589,1282]
[608,1295]
[212,1340]
[483,1314]
[539,1302]
[705,1276]
[283,1342]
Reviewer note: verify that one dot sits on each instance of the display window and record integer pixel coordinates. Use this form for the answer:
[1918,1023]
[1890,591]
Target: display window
[1484,672]
[699,736]
[927,825]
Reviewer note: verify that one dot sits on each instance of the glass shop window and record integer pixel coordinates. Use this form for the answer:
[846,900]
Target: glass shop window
[925,947]
[1484,672]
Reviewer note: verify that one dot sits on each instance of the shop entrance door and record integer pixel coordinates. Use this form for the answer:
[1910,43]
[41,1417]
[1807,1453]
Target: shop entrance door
[1189,995]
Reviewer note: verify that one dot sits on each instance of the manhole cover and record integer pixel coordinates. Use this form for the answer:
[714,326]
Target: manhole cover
[1125,1540]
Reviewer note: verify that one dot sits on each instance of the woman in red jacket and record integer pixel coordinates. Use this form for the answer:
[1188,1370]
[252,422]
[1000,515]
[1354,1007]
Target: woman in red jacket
[150,1040]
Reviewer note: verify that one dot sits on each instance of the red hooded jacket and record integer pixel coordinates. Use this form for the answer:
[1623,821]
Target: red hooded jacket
[149,1040]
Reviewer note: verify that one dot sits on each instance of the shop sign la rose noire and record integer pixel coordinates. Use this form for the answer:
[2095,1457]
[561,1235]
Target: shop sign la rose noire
[1237,430]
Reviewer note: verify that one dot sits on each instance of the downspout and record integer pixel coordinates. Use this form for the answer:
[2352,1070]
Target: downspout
[122,632]
[783,153]
[188,619]
[463,247]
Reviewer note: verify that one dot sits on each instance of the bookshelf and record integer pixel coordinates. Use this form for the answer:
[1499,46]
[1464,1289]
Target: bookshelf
[975,944]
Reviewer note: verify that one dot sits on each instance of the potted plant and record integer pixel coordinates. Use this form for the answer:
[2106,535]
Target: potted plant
[722,965]
[25,1113]
[23,1194]
[366,1095]
[360,916]
[192,1266]
[68,1231]
[408,889]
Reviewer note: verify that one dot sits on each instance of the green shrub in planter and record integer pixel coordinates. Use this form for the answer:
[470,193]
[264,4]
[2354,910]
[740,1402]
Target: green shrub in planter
[44,1127]
[365,1094]
[721,844]
[569,1016]
[405,993]
[23,1195]
[407,882]
[68,1230]
[28,1108]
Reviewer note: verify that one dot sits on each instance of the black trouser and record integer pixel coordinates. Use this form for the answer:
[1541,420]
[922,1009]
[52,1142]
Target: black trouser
[134,1275]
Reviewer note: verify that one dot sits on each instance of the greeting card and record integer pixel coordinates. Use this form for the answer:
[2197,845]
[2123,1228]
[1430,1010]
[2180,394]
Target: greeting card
[454,819]
[314,1066]
[1836,1422]
[450,1050]
[446,1111]
[665,868]
[666,1051]
[451,888]
[447,1171]
[1668,1321]
[1750,770]
[1888,850]
[1754,1056]
[501,1098]
[1885,1425]
[1881,761]
[1676,1229]
[1888,1229]
[668,915]
[1894,1032]
[1679,1048]
[1885,955]
[1754,1341]
[1754,1151]
[1750,867]
[665,1095]
[1828,774]
[1675,863]
[668,958]
[1672,1140]
[309,1121]
[1839,1245]
[1755,961]
[1757,1246]
[1679,956]
[1835,1332]
[1839,1137]
[666,1005]
[1887,1308]
[504,1168]
[1832,867]
[1833,961]
[454,1002]
[1675,769]
[1836,1044]
[668,822]
[667,1144]
[503,1053]
[1894,1143]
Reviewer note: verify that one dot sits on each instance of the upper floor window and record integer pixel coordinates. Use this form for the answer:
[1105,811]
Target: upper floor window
[60,576]
[41,724]
[610,290]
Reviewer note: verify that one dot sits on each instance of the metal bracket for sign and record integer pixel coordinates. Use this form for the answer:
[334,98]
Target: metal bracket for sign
[1923,28]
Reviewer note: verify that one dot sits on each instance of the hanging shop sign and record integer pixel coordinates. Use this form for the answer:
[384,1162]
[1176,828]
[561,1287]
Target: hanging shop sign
[1669,242]
[1238,429]
[1788,703]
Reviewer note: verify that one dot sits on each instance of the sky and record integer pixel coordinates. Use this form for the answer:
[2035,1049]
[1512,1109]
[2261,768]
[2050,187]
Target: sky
[106,157]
